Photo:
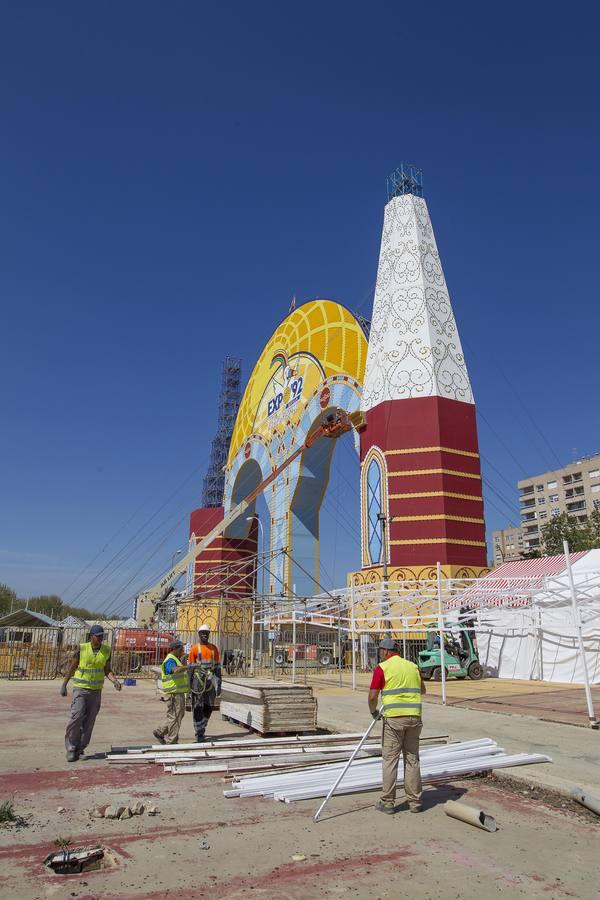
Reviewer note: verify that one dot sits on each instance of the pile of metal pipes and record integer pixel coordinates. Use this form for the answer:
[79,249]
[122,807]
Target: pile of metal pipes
[234,756]
[241,755]
[437,764]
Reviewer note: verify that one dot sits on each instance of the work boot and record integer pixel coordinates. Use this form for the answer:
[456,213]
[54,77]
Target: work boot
[72,755]
[159,736]
[388,808]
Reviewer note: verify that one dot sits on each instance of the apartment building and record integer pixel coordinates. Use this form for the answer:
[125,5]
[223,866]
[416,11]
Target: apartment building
[508,545]
[575,489]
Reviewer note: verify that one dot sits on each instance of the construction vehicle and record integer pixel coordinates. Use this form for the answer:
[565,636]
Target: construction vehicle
[307,655]
[334,424]
[460,656]
[135,648]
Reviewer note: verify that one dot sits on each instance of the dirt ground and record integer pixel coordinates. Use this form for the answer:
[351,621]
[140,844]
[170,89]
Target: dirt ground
[545,846]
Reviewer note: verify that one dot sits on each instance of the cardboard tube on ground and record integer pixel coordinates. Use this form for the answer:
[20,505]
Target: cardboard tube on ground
[586,800]
[470,815]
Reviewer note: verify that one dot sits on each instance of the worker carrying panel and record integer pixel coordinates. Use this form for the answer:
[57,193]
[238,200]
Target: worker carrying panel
[90,671]
[401,695]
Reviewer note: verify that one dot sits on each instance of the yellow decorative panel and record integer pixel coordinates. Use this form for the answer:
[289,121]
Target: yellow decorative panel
[319,339]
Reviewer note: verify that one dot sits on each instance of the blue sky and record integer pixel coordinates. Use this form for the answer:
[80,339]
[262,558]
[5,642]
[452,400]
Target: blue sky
[172,174]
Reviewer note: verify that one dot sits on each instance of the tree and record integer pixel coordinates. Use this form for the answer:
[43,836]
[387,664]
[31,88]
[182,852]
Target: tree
[8,599]
[579,536]
[47,604]
[531,554]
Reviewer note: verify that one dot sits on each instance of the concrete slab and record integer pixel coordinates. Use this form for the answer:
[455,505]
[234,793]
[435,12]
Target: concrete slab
[202,845]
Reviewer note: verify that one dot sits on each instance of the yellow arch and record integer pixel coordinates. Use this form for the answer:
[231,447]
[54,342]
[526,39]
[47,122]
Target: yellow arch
[321,338]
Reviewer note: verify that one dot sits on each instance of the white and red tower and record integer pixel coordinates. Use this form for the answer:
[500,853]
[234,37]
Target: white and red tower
[420,470]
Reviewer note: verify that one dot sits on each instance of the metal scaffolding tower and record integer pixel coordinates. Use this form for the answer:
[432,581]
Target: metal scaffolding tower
[229,401]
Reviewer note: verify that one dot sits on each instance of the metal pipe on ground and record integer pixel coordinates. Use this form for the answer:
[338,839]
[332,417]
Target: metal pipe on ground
[437,764]
[586,800]
[471,816]
[343,772]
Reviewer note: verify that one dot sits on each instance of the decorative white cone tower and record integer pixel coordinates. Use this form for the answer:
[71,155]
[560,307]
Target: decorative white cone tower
[420,467]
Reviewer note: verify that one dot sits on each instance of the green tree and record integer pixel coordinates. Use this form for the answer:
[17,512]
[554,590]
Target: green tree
[8,599]
[531,554]
[48,604]
[579,536]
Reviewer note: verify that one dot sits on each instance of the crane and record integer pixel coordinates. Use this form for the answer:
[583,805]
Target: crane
[334,424]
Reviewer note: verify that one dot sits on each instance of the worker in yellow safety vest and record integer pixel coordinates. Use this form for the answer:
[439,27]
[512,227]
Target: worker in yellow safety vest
[88,667]
[401,687]
[175,685]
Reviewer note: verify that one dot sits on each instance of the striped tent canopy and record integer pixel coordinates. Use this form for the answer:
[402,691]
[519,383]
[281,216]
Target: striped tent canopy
[513,583]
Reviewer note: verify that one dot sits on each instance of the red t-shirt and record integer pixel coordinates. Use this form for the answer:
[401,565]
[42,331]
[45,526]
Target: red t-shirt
[378,680]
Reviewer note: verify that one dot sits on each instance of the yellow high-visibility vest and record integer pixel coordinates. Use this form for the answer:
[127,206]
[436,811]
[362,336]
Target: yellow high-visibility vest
[174,683]
[401,695]
[90,671]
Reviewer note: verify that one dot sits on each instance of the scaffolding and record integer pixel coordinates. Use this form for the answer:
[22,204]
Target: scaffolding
[229,401]
[405,180]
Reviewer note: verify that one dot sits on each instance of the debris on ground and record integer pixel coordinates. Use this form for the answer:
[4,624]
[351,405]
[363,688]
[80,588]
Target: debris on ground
[470,816]
[69,861]
[114,812]
[533,792]
[119,811]
[99,812]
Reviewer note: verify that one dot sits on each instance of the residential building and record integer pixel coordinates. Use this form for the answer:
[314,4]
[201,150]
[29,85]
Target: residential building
[574,489]
[508,545]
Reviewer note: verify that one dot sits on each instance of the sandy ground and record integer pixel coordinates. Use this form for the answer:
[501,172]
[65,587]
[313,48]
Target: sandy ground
[540,850]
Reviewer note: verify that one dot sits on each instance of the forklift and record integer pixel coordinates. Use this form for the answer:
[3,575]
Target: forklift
[460,656]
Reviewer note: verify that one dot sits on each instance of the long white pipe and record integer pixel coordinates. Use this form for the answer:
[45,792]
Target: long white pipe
[435,773]
[577,623]
[294,739]
[366,772]
[345,769]
[441,625]
[353,636]
[486,745]
[371,780]
[480,747]
[235,754]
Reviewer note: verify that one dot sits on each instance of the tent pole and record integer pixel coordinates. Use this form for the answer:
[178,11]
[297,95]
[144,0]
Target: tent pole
[441,627]
[577,623]
[353,636]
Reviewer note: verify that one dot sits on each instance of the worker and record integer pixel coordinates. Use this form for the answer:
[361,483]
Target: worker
[175,685]
[401,686]
[205,680]
[88,667]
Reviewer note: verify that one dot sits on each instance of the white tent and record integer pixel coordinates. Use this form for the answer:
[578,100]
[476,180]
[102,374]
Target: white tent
[535,636]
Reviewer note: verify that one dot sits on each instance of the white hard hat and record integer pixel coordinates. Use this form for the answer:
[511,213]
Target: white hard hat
[204,628]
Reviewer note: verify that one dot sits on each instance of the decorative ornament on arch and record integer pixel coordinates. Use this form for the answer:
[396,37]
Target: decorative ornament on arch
[374,574]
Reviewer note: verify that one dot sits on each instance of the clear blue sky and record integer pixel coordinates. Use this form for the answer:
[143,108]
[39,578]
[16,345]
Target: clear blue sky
[172,173]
